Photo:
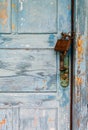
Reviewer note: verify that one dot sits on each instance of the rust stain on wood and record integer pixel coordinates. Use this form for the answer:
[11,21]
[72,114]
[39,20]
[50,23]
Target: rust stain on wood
[80,49]
[13,26]
[79,81]
[2,122]
[3,12]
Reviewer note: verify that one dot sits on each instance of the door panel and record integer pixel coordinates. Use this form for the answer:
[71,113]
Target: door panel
[31,111]
[37,16]
[45,119]
[29,66]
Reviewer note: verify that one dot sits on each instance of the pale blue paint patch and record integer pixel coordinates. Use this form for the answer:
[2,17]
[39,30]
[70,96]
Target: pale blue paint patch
[64,19]
[51,81]
[51,40]
[61,21]
[64,98]
[4,39]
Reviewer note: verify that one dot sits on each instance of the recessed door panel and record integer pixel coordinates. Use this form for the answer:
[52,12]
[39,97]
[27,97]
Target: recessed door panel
[37,16]
[41,119]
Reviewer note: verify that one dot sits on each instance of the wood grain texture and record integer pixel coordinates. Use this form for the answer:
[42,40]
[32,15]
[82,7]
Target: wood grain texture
[27,70]
[31,100]
[28,41]
[41,119]
[80,109]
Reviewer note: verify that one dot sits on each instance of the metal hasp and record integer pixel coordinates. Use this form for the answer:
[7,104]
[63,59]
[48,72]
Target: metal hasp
[63,45]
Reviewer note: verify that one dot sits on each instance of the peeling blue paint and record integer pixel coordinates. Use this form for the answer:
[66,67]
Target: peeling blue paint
[80,113]
[51,40]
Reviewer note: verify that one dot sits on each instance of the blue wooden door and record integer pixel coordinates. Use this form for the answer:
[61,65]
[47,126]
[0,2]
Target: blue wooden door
[31,97]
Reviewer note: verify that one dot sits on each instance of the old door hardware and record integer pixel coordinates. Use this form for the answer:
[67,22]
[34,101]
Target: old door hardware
[63,45]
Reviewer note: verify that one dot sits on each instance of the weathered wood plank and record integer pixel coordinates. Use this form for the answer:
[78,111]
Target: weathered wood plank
[28,41]
[29,108]
[80,102]
[5,16]
[64,16]
[27,70]
[37,16]
[15,112]
[31,100]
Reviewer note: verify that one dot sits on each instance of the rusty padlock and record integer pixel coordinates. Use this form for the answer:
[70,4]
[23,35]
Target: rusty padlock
[64,43]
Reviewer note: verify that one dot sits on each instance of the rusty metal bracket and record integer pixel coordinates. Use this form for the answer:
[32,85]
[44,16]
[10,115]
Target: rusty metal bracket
[63,45]
[64,75]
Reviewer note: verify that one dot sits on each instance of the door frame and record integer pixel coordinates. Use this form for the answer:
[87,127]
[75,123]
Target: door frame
[72,70]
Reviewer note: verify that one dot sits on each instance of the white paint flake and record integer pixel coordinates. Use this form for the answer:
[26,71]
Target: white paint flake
[21,4]
[52,128]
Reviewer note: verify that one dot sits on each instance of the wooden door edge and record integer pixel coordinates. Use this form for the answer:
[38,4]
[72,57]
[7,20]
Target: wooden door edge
[72,58]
